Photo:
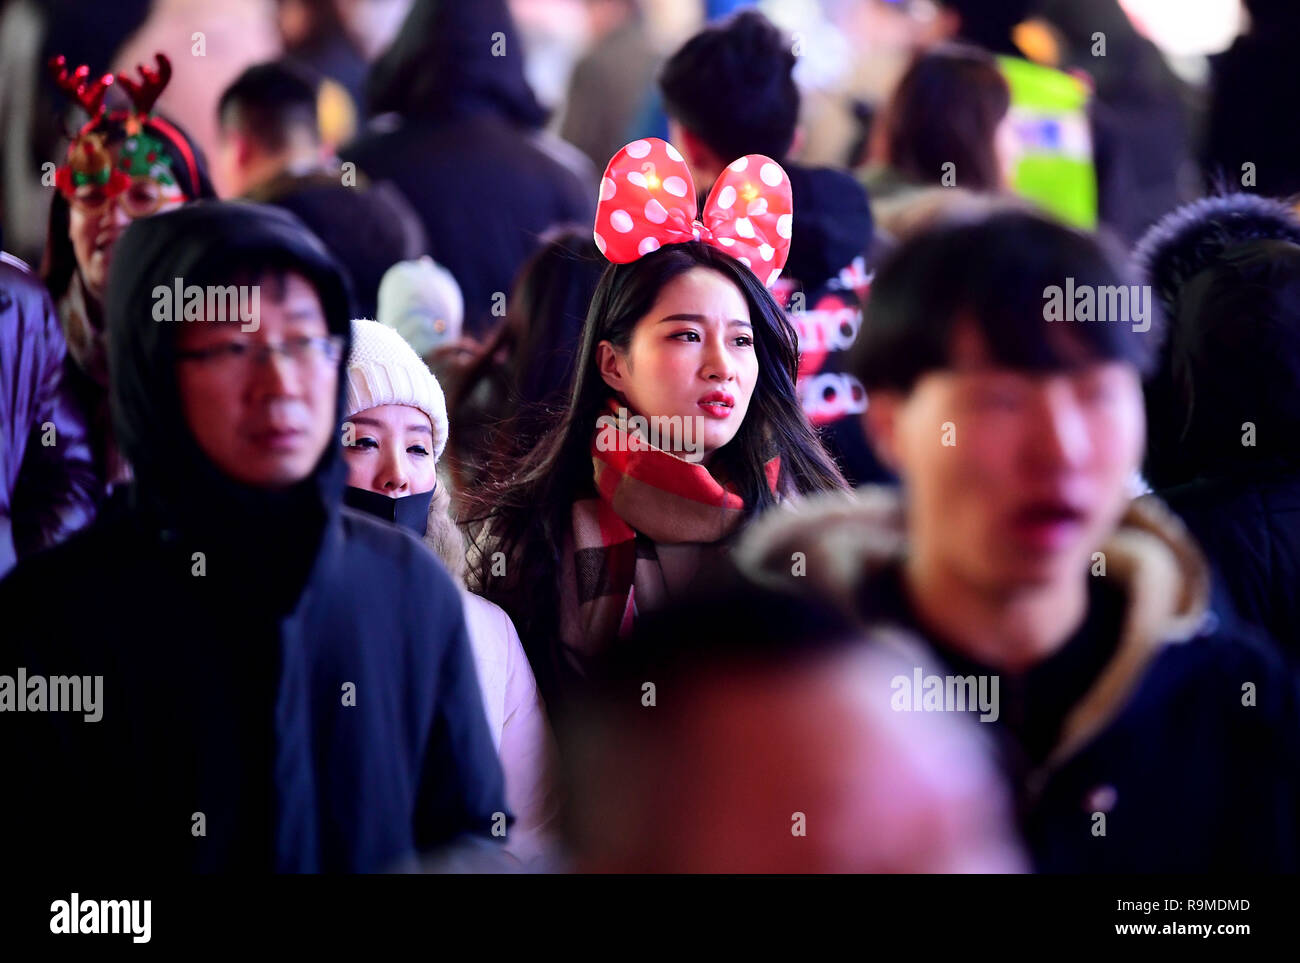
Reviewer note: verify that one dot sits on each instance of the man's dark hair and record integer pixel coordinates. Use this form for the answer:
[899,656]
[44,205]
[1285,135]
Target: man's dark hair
[731,85]
[994,273]
[268,101]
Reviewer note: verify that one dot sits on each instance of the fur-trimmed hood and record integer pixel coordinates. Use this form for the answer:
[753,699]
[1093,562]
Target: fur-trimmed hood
[837,541]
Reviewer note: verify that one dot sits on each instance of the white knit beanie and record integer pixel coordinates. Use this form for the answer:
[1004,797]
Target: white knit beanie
[385,370]
[422,302]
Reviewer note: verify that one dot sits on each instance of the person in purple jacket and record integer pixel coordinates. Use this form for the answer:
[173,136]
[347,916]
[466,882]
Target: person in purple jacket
[46,474]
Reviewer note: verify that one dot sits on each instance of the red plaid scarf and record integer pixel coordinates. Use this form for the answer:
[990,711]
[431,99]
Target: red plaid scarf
[656,516]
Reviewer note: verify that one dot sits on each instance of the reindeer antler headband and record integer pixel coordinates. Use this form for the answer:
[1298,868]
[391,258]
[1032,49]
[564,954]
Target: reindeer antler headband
[142,154]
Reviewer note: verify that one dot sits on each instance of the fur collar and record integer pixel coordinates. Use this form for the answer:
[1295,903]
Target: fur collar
[844,537]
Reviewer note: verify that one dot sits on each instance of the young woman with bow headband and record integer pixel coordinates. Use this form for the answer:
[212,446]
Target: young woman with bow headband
[683,420]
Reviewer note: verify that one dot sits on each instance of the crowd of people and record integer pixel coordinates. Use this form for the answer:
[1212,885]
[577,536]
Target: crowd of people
[397,475]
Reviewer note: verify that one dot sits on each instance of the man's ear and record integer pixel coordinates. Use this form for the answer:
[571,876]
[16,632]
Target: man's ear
[245,151]
[706,166]
[880,422]
[611,366]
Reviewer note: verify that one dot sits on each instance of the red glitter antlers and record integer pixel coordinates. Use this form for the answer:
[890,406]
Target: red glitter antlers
[150,86]
[77,85]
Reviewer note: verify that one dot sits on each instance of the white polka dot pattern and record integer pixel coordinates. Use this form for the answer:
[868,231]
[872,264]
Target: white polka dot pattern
[647,200]
[621,221]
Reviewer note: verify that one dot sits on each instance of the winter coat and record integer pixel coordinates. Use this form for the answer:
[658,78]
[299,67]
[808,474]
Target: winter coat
[47,478]
[1249,527]
[1181,735]
[517,720]
[287,685]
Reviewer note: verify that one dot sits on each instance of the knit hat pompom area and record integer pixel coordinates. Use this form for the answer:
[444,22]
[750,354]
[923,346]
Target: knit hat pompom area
[422,302]
[384,370]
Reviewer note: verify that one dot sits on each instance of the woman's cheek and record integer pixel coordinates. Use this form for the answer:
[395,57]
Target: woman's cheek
[423,472]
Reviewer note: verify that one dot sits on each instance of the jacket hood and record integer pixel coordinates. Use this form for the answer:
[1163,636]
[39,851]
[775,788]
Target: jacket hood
[848,537]
[832,223]
[205,243]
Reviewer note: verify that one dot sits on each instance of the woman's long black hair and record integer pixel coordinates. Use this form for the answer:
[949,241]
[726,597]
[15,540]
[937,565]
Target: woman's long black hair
[527,510]
[526,367]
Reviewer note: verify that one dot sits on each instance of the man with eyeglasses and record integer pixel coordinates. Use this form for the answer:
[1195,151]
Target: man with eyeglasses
[286,685]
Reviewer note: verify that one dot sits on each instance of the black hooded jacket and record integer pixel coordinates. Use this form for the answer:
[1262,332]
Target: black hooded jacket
[466,151]
[287,685]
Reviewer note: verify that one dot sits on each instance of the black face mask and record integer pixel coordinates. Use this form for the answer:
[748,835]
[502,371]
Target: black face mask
[409,511]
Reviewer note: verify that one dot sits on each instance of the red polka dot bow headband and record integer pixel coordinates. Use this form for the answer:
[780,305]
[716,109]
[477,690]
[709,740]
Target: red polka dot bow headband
[647,200]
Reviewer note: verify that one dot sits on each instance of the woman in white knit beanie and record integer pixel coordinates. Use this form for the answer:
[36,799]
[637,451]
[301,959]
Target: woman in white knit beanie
[394,433]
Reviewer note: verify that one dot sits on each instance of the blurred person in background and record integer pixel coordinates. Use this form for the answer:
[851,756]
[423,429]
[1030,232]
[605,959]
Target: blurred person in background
[522,376]
[1140,111]
[611,84]
[946,125]
[1142,734]
[1254,95]
[313,34]
[395,430]
[729,91]
[287,685]
[271,152]
[1054,163]
[47,477]
[753,733]
[466,147]
[215,41]
[122,165]
[1234,328]
[683,422]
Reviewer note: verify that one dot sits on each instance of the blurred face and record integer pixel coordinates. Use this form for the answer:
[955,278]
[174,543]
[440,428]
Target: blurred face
[757,750]
[392,451]
[1012,479]
[96,221]
[264,419]
[691,356]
